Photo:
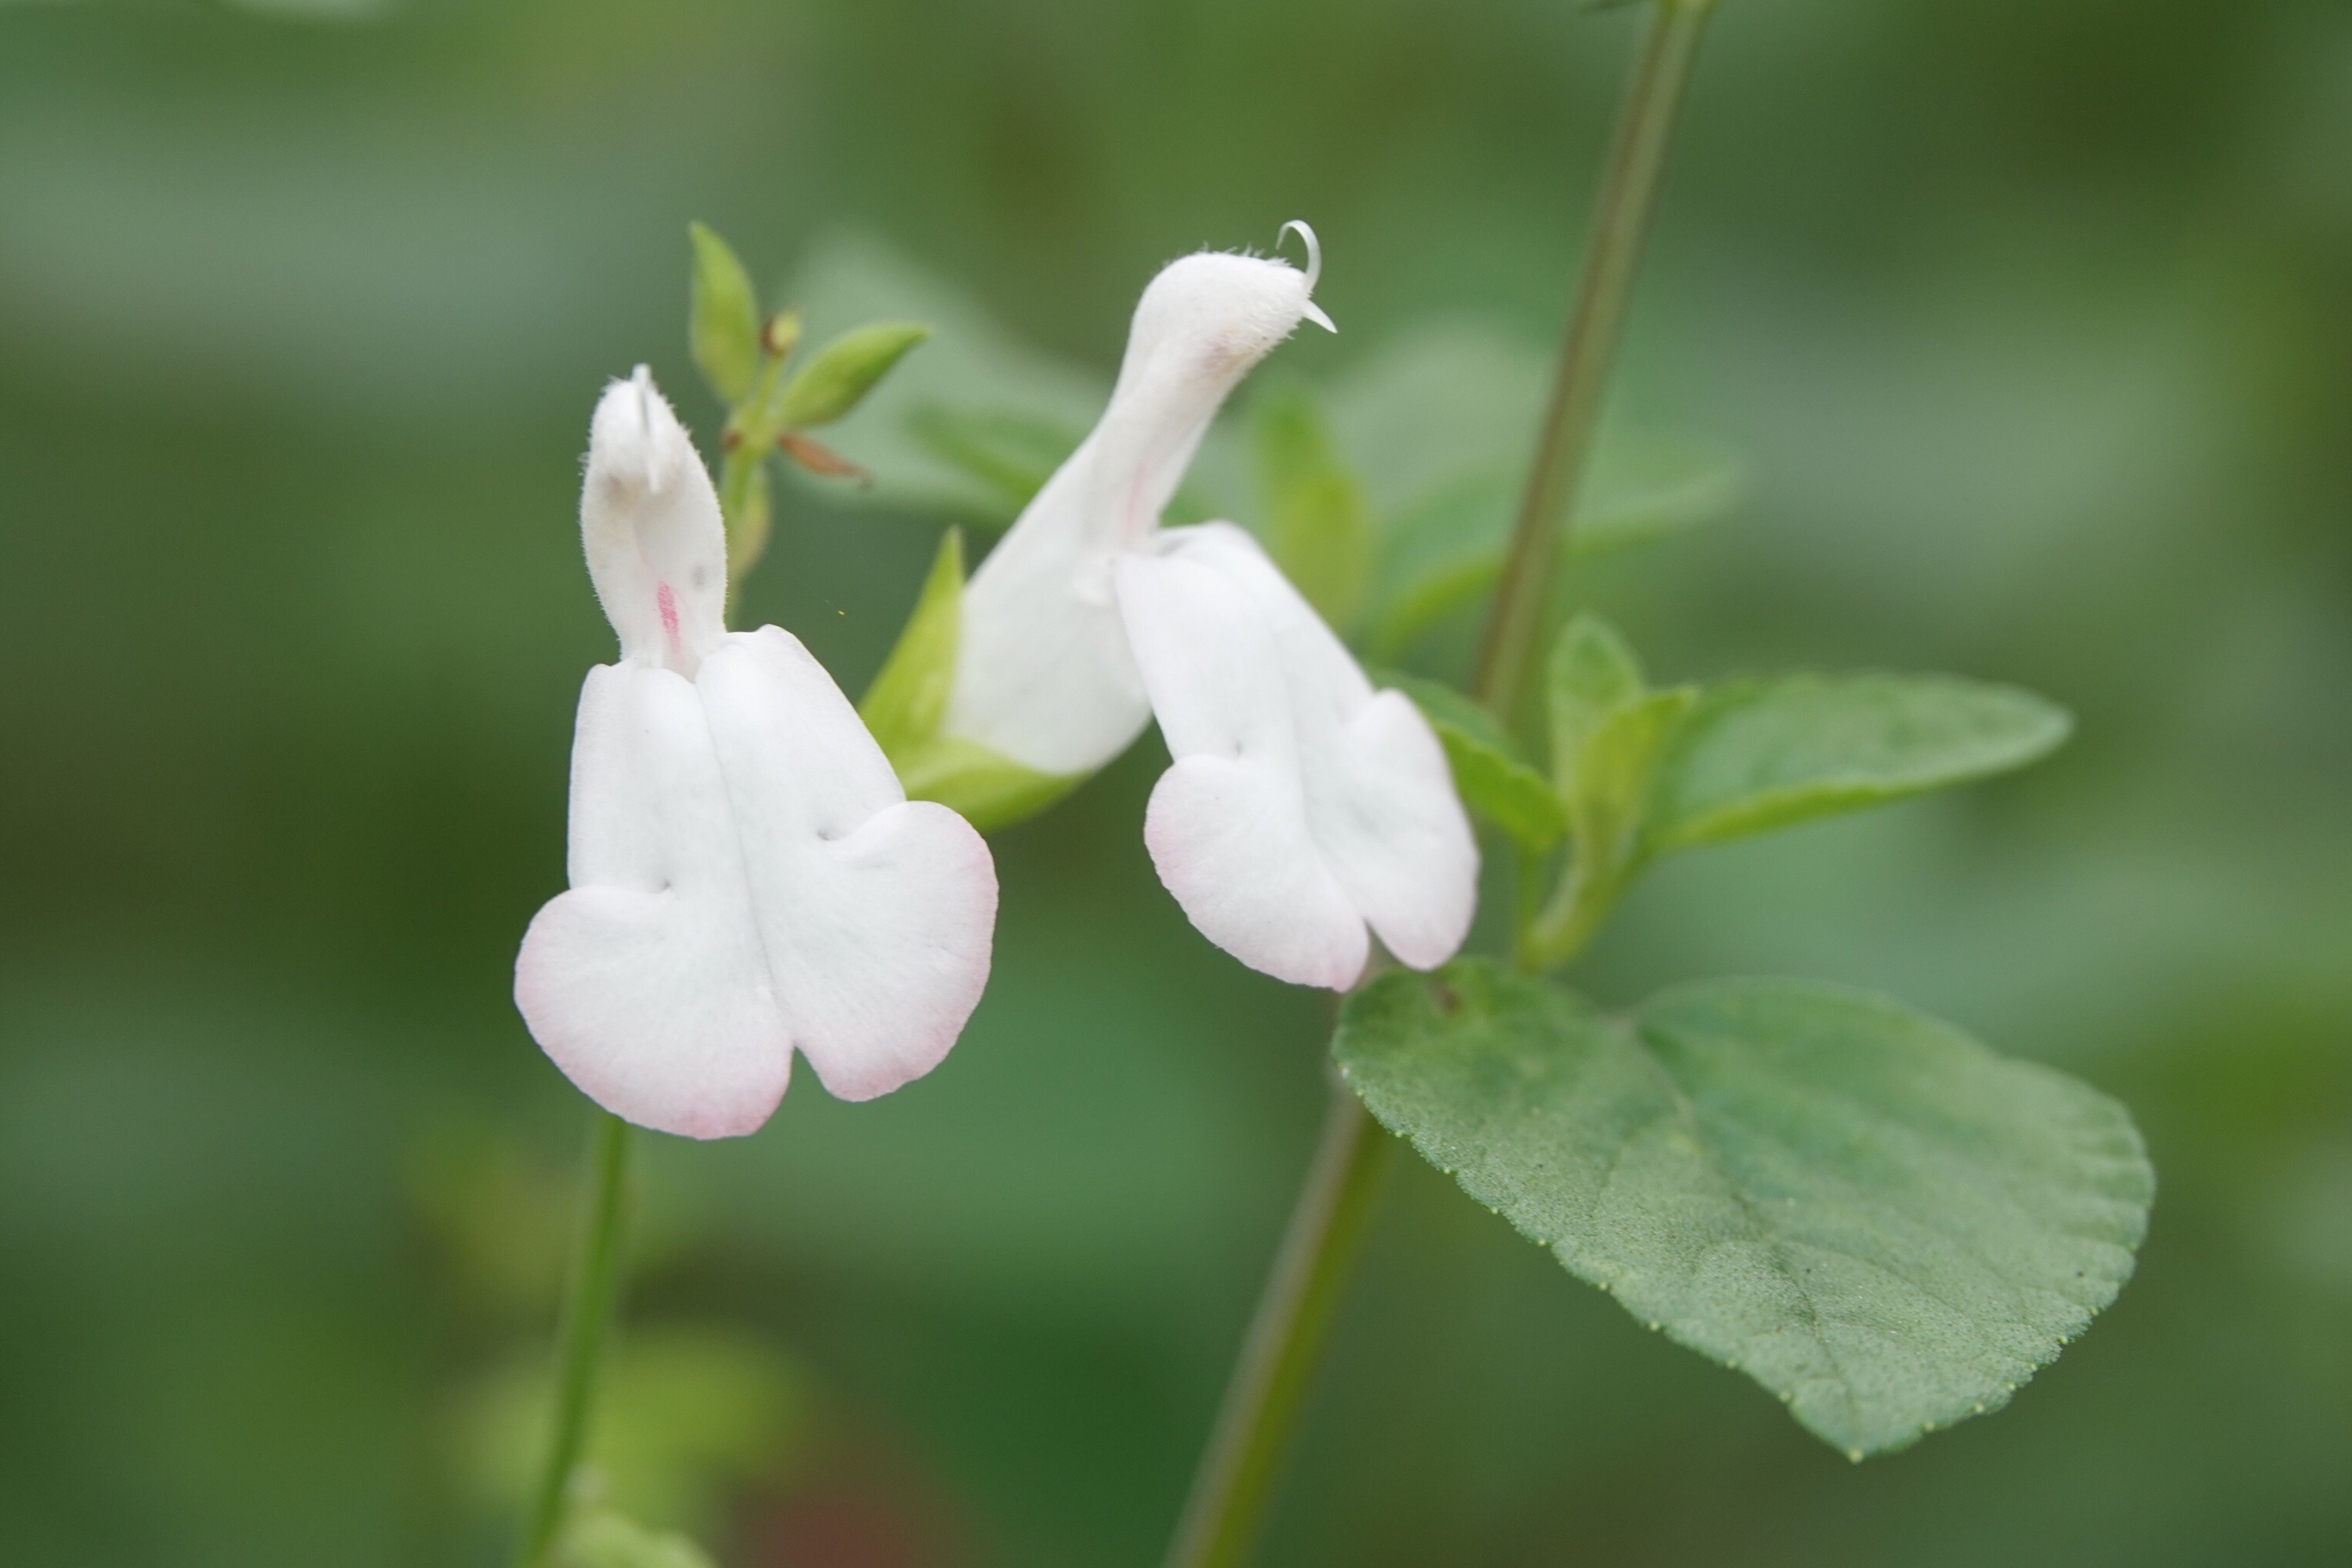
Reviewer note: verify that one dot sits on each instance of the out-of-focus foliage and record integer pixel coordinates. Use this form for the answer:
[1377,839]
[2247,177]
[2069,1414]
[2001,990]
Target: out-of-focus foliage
[2027,324]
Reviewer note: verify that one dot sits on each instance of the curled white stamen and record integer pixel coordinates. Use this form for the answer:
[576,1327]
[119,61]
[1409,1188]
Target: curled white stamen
[1313,312]
[643,377]
[1314,249]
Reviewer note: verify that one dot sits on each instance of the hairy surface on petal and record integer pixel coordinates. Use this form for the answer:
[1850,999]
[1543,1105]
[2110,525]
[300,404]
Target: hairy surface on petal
[1227,826]
[1042,672]
[650,524]
[647,983]
[876,913]
[1240,668]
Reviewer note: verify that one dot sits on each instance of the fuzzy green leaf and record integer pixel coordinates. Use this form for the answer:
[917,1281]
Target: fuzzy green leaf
[837,379]
[724,323]
[1490,771]
[1760,754]
[1592,674]
[1870,1214]
[1610,793]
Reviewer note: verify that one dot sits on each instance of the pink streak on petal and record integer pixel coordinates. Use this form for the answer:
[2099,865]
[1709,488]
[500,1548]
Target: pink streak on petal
[665,601]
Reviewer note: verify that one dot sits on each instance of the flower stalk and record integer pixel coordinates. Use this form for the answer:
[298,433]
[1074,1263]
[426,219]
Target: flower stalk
[1286,1339]
[579,1337]
[1286,1334]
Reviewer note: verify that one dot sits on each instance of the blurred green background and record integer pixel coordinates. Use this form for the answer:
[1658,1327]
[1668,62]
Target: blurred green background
[2032,320]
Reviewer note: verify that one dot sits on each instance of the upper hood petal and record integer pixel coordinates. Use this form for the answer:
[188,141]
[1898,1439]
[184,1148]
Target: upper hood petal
[1043,674]
[650,523]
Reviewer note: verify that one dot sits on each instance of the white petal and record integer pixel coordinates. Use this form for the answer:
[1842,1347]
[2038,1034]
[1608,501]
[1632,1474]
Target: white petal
[647,983]
[1043,674]
[1288,764]
[649,521]
[876,914]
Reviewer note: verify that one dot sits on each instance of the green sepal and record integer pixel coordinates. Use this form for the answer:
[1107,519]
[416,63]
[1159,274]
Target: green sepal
[609,1539]
[837,379]
[746,509]
[908,698]
[907,702]
[723,325]
[1491,773]
[986,787]
[1755,755]
[1870,1213]
[1318,523]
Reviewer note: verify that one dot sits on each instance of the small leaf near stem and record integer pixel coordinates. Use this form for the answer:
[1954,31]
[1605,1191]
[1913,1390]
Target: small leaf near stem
[580,1338]
[723,322]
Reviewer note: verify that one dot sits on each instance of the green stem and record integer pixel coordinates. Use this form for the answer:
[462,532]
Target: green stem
[1637,156]
[587,1311]
[1286,1339]
[1569,920]
[1285,1336]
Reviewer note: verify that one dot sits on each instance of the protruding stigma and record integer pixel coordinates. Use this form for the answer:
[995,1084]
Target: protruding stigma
[1314,249]
[1313,312]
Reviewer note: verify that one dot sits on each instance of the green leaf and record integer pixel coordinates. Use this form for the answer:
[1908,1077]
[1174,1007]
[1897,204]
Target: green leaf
[953,429]
[1011,454]
[1490,769]
[724,323]
[838,377]
[1592,674]
[1761,753]
[1609,794]
[1439,423]
[1317,524]
[1863,1209]
[608,1540]
[1440,553]
[910,696]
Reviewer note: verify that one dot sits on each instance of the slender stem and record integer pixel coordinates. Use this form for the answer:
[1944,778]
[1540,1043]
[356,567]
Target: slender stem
[1286,1337]
[1637,156]
[1286,1340]
[580,1339]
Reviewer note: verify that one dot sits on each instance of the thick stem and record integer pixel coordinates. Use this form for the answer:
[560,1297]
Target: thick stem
[580,1338]
[1286,1340]
[1629,188]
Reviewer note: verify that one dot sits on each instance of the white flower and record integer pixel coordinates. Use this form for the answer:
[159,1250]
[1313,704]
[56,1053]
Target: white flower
[747,877]
[1303,805]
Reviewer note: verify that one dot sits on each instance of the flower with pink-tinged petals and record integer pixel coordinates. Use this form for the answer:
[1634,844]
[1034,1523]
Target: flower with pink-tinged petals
[1306,812]
[747,877]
